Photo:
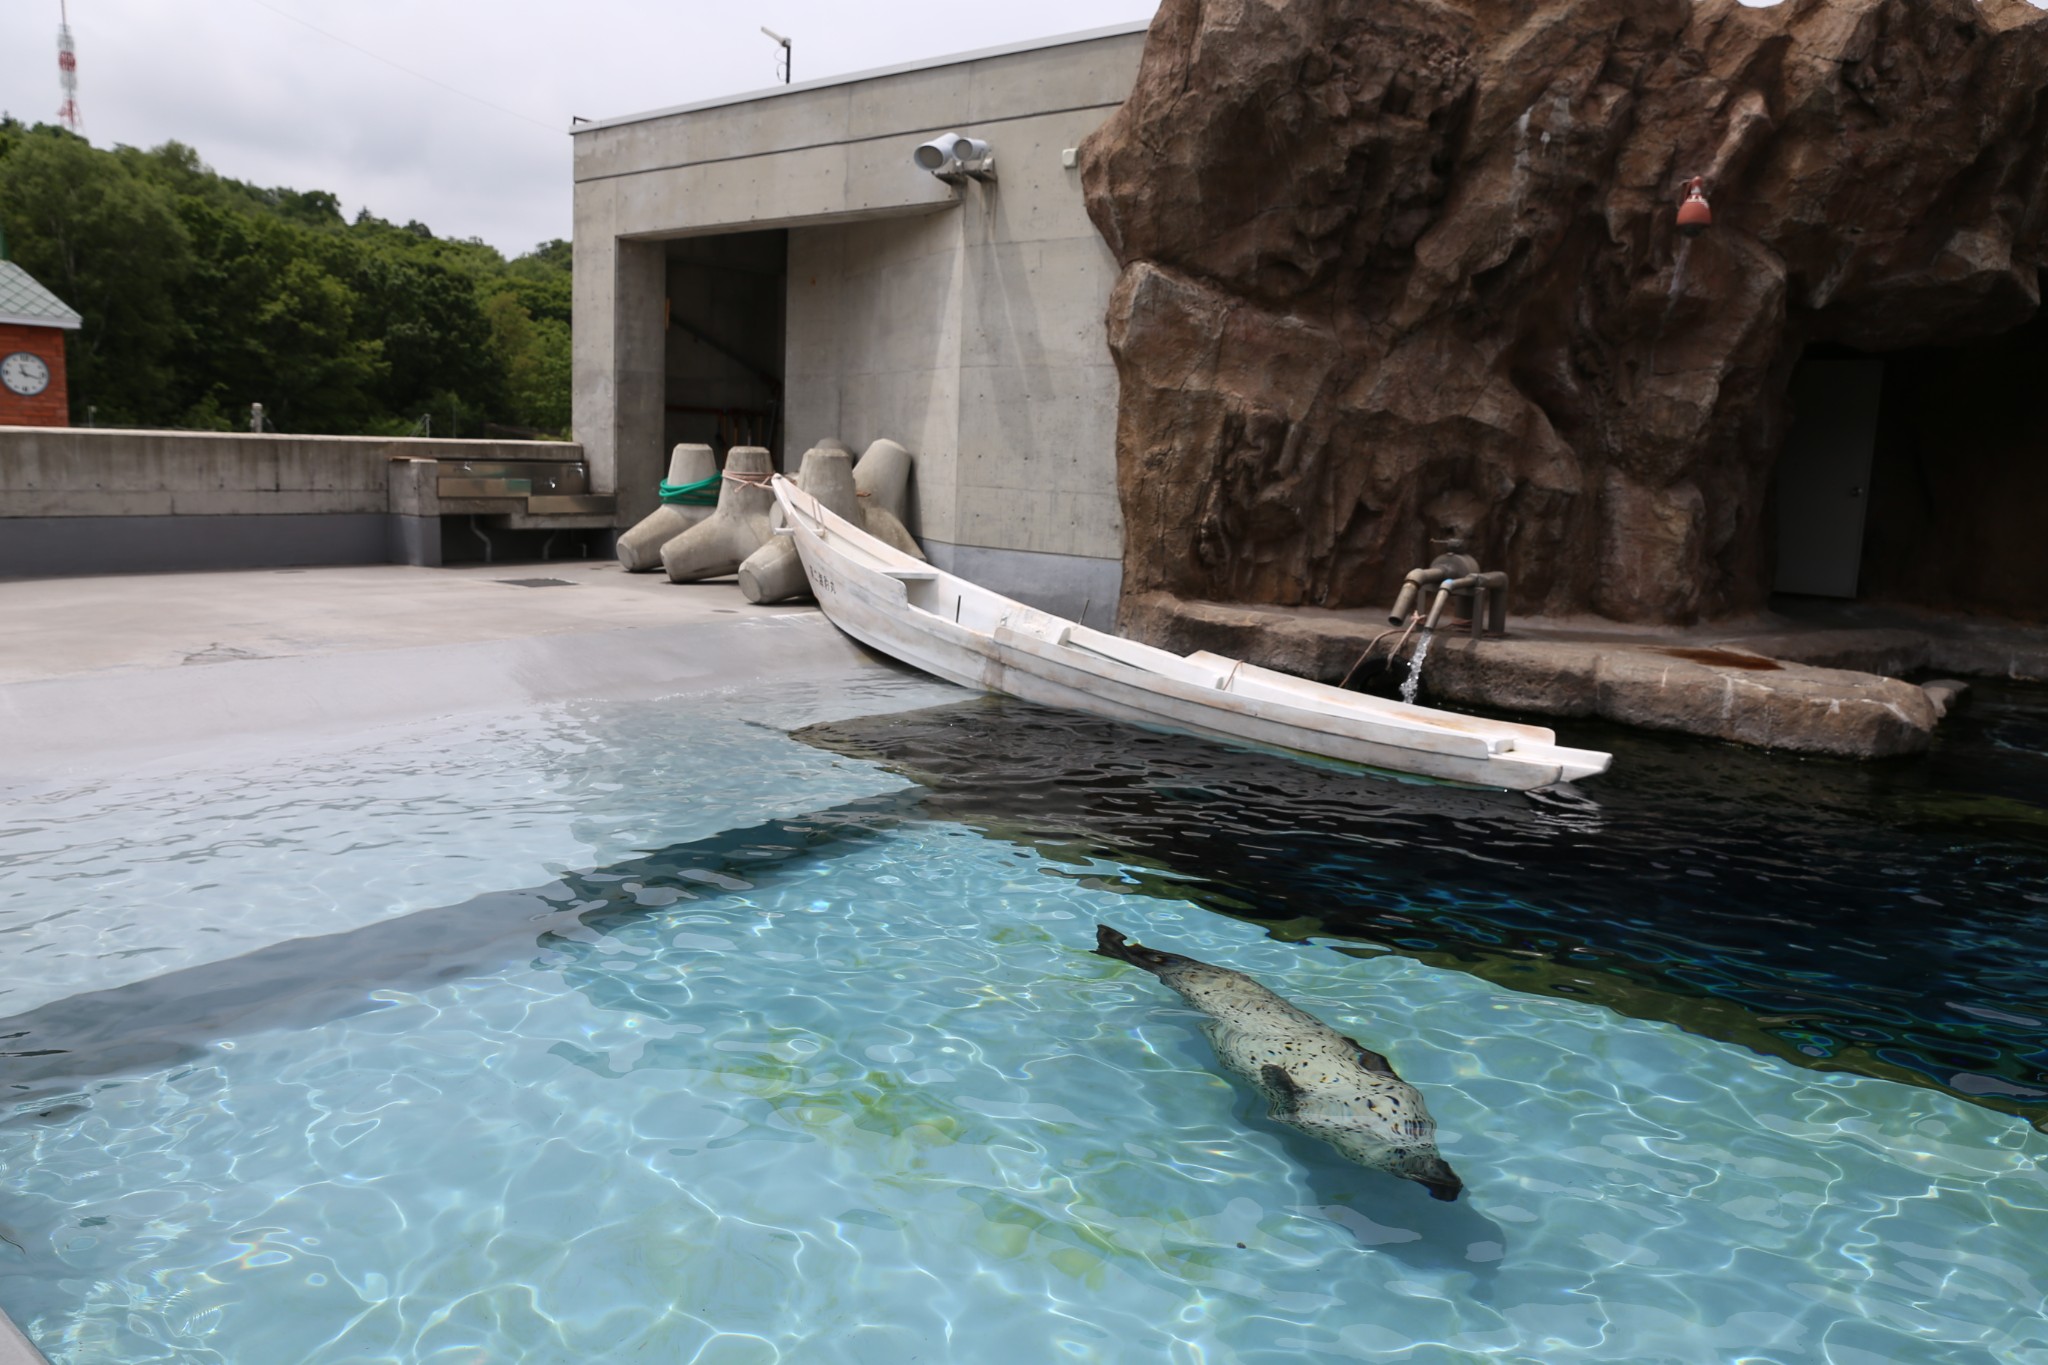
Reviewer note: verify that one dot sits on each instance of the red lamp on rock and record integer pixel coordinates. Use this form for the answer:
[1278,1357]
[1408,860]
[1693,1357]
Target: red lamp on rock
[1695,215]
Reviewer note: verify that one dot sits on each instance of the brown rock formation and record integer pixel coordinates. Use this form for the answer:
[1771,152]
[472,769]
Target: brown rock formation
[1396,265]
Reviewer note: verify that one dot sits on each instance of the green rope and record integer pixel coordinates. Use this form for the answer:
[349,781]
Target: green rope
[703,493]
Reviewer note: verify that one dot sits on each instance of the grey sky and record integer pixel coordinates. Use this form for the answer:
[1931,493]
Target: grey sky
[268,100]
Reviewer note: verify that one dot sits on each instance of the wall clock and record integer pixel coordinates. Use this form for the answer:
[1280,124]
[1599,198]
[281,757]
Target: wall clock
[25,374]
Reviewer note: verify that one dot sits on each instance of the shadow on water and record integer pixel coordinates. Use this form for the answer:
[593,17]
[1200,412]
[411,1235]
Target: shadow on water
[172,1019]
[1383,1213]
[1886,919]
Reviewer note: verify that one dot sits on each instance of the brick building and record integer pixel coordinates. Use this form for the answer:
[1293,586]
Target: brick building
[32,326]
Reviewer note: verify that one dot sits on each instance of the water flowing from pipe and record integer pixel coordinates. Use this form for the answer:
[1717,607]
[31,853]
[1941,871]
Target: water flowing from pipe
[1671,297]
[1413,681]
[1677,277]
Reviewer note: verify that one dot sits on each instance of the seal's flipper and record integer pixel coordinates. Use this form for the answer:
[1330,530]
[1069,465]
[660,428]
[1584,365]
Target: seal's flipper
[1281,1089]
[1372,1061]
[1109,943]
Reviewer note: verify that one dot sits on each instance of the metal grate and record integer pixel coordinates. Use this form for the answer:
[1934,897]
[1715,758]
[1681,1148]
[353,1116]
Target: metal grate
[537,582]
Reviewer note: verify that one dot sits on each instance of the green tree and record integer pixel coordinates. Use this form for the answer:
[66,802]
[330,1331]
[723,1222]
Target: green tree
[110,244]
[435,337]
[202,294]
[272,324]
[535,356]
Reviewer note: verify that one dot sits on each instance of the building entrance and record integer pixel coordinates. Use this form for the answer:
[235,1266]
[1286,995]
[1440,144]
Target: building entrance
[723,319]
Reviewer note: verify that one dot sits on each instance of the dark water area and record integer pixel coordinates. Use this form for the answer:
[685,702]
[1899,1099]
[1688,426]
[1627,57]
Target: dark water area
[1888,919]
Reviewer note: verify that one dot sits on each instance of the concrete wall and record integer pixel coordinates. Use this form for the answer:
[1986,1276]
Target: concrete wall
[965,322]
[976,339]
[78,500]
[874,348]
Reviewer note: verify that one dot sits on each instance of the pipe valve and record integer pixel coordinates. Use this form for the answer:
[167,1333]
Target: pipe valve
[1454,575]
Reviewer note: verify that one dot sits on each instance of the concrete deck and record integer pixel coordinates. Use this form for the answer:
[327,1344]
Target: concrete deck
[125,670]
[1816,677]
[15,1347]
[67,627]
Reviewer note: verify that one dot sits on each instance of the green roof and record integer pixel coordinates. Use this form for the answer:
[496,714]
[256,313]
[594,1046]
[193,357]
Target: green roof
[23,300]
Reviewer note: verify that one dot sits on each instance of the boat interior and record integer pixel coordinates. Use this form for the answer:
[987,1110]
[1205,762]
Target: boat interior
[978,610]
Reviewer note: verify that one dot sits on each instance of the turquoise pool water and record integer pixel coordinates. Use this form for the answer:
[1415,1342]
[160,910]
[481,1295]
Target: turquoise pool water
[649,1033]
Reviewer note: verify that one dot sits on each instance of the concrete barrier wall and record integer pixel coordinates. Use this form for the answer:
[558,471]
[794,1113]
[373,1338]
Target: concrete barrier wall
[95,500]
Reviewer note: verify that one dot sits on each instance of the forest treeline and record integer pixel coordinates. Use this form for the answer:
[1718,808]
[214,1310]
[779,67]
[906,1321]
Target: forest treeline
[202,295]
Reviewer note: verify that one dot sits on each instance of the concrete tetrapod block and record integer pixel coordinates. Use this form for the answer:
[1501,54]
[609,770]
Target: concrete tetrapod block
[882,475]
[877,522]
[775,520]
[736,528]
[640,548]
[774,573]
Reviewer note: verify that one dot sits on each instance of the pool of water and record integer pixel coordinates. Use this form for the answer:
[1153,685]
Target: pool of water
[739,1047]
[1888,919]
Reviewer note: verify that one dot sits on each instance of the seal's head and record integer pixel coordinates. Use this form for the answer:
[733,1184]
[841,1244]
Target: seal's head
[1430,1171]
[1360,1135]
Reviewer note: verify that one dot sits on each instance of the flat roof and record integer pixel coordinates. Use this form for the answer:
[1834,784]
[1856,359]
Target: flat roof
[826,82]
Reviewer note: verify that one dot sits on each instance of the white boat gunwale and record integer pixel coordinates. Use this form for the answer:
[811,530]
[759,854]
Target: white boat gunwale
[990,642]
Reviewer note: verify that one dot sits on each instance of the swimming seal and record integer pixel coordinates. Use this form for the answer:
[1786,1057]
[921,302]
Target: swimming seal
[1316,1079]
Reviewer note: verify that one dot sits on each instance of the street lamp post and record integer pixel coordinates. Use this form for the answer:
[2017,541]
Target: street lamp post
[785,50]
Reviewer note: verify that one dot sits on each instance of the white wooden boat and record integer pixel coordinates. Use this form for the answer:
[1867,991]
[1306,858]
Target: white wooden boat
[968,635]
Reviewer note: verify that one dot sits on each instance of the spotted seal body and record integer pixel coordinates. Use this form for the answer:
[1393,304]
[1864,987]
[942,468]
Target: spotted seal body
[1316,1079]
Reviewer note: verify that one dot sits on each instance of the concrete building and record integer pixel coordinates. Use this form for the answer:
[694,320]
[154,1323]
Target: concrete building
[775,269]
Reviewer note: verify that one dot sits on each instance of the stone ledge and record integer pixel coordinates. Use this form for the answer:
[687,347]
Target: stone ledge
[1720,685]
[1785,706]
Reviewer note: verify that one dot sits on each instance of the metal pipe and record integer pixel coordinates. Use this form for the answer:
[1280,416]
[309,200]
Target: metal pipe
[1497,617]
[1436,607]
[1465,586]
[1412,585]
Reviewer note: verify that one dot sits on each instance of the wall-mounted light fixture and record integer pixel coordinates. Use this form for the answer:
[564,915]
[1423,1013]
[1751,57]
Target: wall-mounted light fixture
[1694,214]
[956,159]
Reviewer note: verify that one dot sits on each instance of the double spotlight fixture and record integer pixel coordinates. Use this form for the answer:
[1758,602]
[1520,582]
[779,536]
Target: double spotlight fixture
[956,159]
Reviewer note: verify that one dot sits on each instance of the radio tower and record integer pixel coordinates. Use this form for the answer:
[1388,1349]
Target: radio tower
[67,68]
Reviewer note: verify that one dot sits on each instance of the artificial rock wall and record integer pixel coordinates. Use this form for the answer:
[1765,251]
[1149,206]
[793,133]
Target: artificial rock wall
[1392,266]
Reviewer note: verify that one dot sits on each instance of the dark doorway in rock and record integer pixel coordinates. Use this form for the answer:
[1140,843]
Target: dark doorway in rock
[1822,490]
[1955,442]
[723,315]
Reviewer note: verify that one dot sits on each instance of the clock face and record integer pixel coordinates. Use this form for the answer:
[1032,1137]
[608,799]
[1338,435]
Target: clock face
[25,374]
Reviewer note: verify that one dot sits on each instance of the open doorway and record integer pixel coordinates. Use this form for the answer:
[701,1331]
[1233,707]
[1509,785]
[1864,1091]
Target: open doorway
[723,320]
[1822,491]
[1920,477]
